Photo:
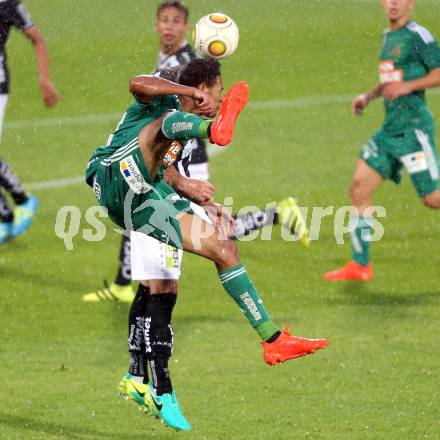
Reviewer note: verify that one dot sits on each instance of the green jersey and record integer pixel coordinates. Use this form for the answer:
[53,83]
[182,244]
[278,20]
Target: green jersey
[135,118]
[408,53]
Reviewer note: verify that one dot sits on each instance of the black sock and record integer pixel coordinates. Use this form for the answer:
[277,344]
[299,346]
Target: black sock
[159,339]
[161,375]
[6,214]
[254,220]
[273,338]
[136,337]
[123,277]
[12,183]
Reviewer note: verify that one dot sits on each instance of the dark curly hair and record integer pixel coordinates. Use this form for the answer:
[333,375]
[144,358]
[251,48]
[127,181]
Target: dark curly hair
[200,71]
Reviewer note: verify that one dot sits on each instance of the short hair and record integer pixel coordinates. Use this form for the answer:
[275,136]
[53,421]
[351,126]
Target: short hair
[200,71]
[173,4]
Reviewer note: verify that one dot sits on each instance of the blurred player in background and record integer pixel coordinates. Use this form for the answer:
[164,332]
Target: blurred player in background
[13,14]
[175,52]
[409,64]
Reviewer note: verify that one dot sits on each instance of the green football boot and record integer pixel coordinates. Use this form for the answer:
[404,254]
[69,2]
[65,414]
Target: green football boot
[167,408]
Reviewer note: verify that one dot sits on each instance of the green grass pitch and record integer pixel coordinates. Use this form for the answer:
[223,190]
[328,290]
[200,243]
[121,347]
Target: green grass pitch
[60,359]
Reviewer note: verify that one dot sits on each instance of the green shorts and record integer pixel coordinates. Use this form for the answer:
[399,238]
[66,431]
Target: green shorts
[122,184]
[413,149]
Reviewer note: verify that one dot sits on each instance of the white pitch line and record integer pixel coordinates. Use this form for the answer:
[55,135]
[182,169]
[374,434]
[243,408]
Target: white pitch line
[92,118]
[213,150]
[57,183]
[271,104]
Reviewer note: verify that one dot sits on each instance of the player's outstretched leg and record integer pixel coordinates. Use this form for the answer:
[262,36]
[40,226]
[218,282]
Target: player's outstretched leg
[278,346]
[222,129]
[181,125]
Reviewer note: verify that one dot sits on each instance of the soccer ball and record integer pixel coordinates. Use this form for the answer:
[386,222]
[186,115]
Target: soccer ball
[215,36]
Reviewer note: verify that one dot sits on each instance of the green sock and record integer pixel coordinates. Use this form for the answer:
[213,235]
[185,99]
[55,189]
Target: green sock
[360,240]
[182,125]
[240,287]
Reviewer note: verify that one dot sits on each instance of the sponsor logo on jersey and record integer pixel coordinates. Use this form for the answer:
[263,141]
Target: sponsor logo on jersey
[133,176]
[415,162]
[388,73]
[251,306]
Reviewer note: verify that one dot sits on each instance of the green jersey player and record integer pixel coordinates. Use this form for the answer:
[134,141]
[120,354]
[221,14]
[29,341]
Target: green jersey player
[127,177]
[409,64]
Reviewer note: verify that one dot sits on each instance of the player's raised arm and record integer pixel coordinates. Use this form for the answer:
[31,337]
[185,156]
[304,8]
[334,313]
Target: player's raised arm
[49,92]
[145,87]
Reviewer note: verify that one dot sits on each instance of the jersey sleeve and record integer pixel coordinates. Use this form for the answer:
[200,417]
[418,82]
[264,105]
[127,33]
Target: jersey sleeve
[428,50]
[19,16]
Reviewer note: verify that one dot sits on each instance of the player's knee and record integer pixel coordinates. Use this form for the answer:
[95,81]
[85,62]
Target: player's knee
[432,200]
[226,252]
[163,286]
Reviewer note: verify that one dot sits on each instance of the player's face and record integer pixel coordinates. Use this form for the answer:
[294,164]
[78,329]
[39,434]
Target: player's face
[397,9]
[216,92]
[172,28]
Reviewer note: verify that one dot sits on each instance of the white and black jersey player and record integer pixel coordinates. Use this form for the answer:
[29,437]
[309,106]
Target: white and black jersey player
[13,14]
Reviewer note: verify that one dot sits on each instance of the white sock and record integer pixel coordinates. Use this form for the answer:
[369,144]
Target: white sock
[138,379]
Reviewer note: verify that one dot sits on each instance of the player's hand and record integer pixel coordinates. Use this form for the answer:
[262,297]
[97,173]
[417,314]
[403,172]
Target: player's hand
[222,219]
[394,90]
[359,104]
[200,191]
[204,102]
[49,93]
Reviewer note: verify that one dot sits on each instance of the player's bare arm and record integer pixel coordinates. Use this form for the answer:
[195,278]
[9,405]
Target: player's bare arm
[145,87]
[361,102]
[199,191]
[49,92]
[393,91]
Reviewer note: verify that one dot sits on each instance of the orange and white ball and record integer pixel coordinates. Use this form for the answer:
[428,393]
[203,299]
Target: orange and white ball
[215,36]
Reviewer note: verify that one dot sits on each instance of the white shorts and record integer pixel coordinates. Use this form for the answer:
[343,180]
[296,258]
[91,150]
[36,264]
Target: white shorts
[153,260]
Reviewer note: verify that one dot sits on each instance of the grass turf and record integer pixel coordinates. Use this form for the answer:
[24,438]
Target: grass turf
[60,359]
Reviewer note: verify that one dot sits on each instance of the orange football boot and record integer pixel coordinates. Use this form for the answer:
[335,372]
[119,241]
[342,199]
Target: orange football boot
[222,128]
[287,346]
[352,271]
